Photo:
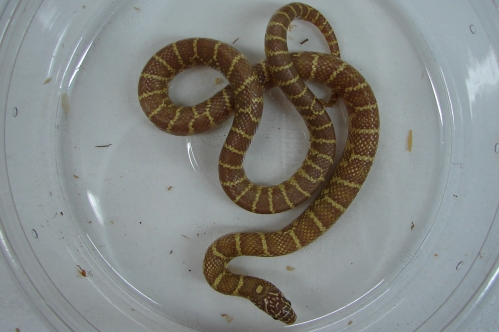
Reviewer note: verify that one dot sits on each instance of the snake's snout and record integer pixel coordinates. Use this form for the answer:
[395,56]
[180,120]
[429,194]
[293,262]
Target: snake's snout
[288,315]
[274,304]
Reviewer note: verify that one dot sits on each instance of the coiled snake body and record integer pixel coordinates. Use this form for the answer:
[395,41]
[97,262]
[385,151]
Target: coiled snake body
[244,96]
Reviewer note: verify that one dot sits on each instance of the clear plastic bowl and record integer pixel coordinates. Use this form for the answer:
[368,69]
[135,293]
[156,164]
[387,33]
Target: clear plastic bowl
[105,219]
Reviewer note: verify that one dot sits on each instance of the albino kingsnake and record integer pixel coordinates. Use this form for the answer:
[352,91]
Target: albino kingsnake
[244,97]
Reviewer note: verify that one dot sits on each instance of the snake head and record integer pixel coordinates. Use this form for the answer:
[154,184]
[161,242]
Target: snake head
[269,298]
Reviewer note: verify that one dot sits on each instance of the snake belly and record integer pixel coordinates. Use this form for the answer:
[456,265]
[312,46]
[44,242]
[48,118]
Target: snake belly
[244,97]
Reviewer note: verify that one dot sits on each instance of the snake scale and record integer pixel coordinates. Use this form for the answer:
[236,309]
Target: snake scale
[244,97]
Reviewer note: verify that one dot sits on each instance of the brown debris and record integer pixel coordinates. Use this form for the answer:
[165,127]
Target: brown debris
[227,318]
[409,141]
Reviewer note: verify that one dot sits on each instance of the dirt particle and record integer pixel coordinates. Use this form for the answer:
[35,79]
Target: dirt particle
[290,268]
[303,42]
[47,81]
[227,318]
[65,103]
[218,81]
[82,272]
[412,225]
[409,141]
[76,176]
[170,187]
[136,8]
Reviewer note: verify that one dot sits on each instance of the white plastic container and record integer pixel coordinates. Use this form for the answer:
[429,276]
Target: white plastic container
[105,219]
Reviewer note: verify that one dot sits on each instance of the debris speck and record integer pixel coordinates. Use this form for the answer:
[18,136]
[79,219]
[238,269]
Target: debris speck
[409,141]
[76,176]
[291,27]
[185,237]
[436,255]
[112,222]
[303,42]
[235,40]
[218,81]
[171,252]
[83,273]
[47,81]
[170,187]
[103,146]
[290,268]
[65,103]
[227,318]
[18,329]
[412,225]
[136,8]
[350,322]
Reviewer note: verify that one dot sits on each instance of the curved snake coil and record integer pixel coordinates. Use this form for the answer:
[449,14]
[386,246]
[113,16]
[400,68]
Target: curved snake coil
[184,54]
[245,96]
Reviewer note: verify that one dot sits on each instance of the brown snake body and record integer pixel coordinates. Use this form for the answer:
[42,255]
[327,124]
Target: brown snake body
[245,96]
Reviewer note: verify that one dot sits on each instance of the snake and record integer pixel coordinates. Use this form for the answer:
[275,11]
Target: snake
[243,97]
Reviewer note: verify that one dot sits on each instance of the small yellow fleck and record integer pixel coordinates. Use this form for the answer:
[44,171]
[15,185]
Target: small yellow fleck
[290,268]
[259,289]
[65,103]
[227,318]
[291,27]
[218,81]
[409,141]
